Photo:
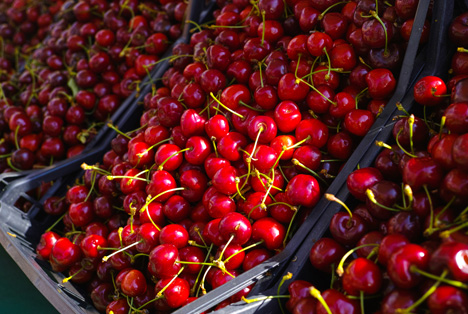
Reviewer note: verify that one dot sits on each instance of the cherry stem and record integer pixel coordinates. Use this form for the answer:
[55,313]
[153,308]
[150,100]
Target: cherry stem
[250,107]
[454,283]
[298,79]
[160,293]
[401,147]
[409,193]
[243,249]
[282,173]
[384,145]
[227,244]
[136,177]
[411,124]
[55,223]
[320,17]
[265,298]
[225,107]
[16,137]
[157,144]
[298,163]
[201,269]
[105,258]
[442,124]
[430,229]
[327,76]
[149,200]
[361,300]
[339,269]
[70,277]
[113,127]
[461,49]
[85,166]
[333,198]
[447,233]
[288,276]
[262,12]
[295,209]
[238,189]
[10,164]
[161,166]
[461,216]
[316,294]
[377,17]
[444,209]
[401,108]
[372,198]
[431,290]
[251,157]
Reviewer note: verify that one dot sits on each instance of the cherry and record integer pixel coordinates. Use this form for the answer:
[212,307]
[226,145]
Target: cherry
[236,226]
[362,275]
[163,261]
[325,253]
[428,91]
[337,303]
[451,255]
[422,171]
[381,83]
[303,190]
[176,291]
[270,231]
[64,253]
[401,263]
[46,243]
[398,299]
[447,298]
[362,179]
[347,230]
[255,257]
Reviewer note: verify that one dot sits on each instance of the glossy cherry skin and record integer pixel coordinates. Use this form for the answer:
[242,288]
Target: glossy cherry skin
[422,171]
[303,190]
[338,303]
[446,299]
[362,275]
[314,128]
[325,254]
[236,226]
[64,253]
[255,257]
[224,180]
[47,241]
[451,255]
[176,293]
[270,231]
[427,91]
[381,83]
[163,261]
[298,290]
[400,263]
[133,283]
[398,299]
[362,179]
[459,148]
[389,245]
[386,193]
[346,230]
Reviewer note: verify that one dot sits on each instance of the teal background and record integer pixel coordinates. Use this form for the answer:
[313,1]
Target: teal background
[17,293]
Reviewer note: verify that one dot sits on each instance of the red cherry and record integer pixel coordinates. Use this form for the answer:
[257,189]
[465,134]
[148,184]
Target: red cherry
[303,190]
[399,266]
[362,275]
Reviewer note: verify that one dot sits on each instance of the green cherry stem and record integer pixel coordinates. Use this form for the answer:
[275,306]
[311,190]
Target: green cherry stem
[316,294]
[339,269]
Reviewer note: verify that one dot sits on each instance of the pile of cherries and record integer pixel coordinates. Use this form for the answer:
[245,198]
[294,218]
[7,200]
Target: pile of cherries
[404,246]
[79,70]
[250,124]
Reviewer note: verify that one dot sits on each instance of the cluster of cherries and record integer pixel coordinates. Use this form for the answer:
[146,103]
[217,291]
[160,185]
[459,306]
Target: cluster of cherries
[404,247]
[88,61]
[252,121]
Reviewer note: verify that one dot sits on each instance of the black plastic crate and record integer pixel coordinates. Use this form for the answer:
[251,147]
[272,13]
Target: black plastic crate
[436,61]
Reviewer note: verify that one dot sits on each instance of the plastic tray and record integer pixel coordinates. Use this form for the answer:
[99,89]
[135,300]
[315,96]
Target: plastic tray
[437,59]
